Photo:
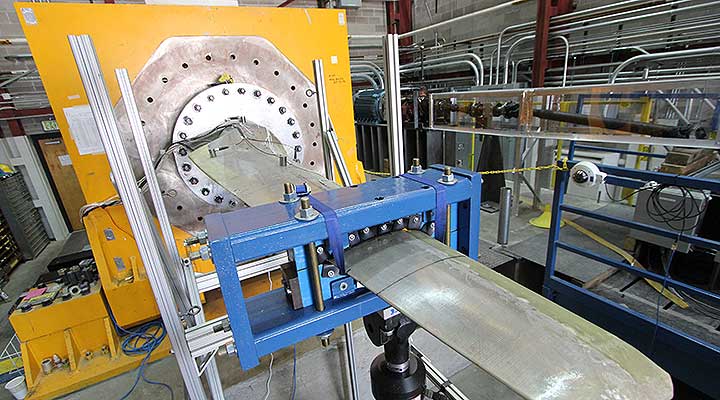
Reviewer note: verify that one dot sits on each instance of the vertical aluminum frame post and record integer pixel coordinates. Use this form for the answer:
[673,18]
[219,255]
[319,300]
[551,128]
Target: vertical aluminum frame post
[334,154]
[394,108]
[146,235]
[331,147]
[211,372]
[321,97]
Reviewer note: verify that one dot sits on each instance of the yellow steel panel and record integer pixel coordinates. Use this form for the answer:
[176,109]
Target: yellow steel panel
[42,321]
[127,35]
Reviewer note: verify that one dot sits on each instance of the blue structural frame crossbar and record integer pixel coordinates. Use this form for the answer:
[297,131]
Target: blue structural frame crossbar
[686,357]
[265,323]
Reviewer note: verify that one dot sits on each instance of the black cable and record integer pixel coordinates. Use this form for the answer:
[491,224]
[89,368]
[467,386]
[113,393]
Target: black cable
[633,193]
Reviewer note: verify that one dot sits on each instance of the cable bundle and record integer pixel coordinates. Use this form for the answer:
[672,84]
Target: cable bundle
[142,340]
[680,212]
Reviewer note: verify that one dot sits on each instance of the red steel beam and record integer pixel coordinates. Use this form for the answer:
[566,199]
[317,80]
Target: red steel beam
[546,9]
[399,19]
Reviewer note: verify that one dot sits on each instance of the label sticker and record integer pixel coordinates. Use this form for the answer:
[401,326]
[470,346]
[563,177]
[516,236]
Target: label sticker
[74,97]
[65,160]
[341,18]
[333,60]
[29,16]
[84,130]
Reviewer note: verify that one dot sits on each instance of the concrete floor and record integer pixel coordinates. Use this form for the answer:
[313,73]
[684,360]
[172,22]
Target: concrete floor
[320,371]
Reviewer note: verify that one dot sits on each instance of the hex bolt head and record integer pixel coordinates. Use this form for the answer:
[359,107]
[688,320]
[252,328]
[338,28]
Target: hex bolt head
[182,151]
[197,107]
[211,98]
[298,149]
[194,181]
[186,167]
[366,230]
[291,121]
[331,274]
[241,90]
[205,191]
[399,221]
[257,93]
[351,237]
[271,100]
[183,135]
[225,92]
[319,250]
[296,135]
[232,203]
[282,110]
[383,227]
[218,199]
[187,120]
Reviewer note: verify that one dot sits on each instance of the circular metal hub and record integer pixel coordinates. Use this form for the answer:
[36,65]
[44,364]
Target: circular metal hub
[180,93]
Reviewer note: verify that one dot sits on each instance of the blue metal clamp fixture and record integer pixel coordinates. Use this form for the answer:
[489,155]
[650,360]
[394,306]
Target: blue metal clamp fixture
[266,323]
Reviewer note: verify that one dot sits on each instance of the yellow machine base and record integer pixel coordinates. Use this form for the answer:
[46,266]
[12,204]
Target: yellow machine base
[89,372]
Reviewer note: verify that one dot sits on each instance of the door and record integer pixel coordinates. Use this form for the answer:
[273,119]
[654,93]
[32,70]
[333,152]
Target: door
[64,179]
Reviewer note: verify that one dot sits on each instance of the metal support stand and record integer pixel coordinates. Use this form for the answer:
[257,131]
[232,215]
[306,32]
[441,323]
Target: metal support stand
[332,154]
[331,147]
[395,131]
[148,241]
[350,352]
[211,372]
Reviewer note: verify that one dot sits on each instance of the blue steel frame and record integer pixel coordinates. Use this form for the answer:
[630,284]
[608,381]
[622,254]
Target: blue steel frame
[266,323]
[687,358]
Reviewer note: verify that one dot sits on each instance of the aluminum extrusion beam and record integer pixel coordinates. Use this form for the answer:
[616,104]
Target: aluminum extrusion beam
[395,131]
[321,98]
[138,215]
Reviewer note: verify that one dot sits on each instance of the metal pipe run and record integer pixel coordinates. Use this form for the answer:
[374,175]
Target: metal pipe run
[665,55]
[461,18]
[371,66]
[472,56]
[365,77]
[478,75]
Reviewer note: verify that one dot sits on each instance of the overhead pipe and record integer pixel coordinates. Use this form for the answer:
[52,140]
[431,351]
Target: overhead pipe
[365,77]
[530,37]
[462,18]
[654,30]
[472,66]
[432,61]
[372,68]
[664,55]
[556,19]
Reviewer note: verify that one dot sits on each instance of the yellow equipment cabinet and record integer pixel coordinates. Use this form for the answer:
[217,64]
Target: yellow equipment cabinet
[133,37]
[78,332]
